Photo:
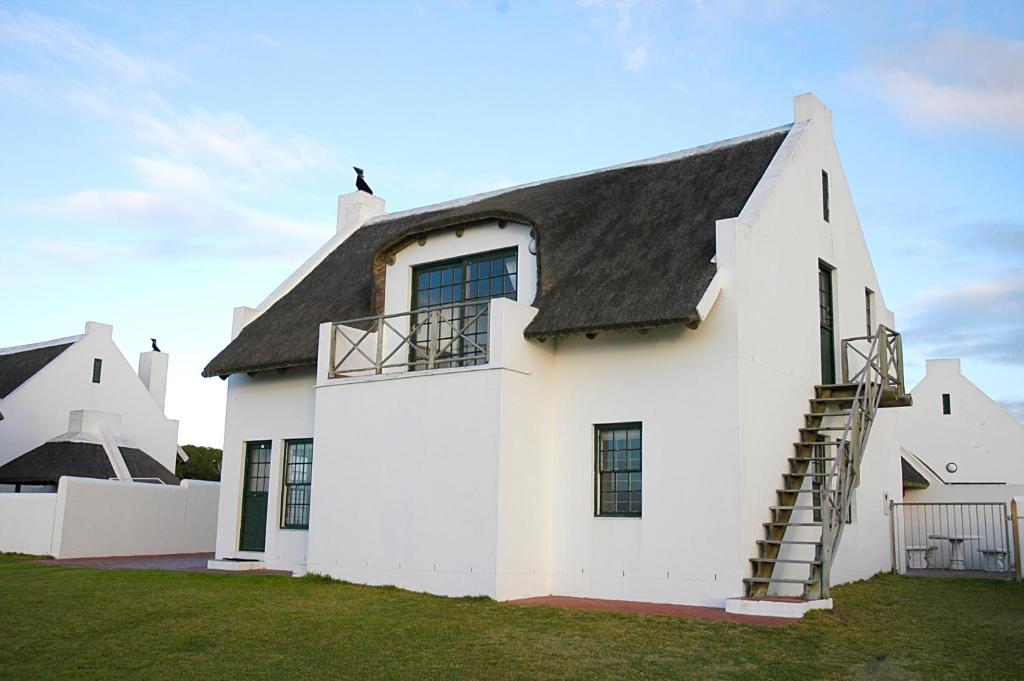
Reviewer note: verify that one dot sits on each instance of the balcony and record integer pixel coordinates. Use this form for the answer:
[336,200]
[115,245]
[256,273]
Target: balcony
[453,336]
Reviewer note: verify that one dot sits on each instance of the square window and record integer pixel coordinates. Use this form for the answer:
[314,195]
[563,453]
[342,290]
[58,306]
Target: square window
[618,460]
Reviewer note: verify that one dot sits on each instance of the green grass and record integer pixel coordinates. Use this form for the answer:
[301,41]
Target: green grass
[75,623]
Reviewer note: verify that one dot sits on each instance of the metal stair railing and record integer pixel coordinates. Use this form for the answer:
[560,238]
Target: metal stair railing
[880,374]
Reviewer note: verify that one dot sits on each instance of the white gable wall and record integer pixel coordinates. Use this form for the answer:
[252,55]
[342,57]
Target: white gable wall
[984,441]
[38,410]
[769,260]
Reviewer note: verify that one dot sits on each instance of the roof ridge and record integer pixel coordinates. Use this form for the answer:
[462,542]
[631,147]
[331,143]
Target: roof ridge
[14,349]
[652,160]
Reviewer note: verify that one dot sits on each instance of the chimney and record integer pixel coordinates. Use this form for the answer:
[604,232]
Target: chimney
[355,209]
[153,372]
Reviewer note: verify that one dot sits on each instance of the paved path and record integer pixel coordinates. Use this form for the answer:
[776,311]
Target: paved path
[663,609]
[181,562]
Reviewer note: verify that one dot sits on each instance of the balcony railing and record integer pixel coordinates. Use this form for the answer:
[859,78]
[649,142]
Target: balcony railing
[438,337]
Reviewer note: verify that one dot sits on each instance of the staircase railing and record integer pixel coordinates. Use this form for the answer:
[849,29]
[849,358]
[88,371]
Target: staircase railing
[879,375]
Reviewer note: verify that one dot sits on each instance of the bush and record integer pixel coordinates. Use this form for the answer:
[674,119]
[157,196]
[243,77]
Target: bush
[203,463]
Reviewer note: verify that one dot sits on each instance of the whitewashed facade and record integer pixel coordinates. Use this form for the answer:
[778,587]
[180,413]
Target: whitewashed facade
[481,479]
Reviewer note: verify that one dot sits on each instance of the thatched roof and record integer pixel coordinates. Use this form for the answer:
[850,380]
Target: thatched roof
[912,478]
[47,463]
[626,247]
[19,366]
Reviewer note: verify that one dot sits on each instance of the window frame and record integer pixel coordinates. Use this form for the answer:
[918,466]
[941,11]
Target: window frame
[97,370]
[826,204]
[869,310]
[598,428]
[286,486]
[947,404]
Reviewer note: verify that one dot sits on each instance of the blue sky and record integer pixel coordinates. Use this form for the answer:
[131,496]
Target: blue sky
[160,165]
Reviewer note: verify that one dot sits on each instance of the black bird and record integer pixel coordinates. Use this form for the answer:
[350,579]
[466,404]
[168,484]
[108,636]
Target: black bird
[155,348]
[360,182]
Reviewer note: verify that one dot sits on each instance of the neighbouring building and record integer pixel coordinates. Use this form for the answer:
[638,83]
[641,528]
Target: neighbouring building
[74,406]
[88,436]
[645,382]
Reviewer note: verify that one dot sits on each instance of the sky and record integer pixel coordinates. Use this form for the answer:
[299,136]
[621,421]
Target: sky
[162,163]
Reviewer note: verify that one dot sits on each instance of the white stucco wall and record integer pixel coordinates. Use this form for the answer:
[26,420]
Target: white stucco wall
[769,260]
[38,409]
[26,523]
[268,406]
[984,441]
[89,518]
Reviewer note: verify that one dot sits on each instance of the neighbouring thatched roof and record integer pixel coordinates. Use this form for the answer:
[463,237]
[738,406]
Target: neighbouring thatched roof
[47,463]
[625,247]
[18,367]
[912,478]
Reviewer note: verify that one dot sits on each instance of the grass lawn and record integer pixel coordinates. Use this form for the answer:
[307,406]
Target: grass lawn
[59,622]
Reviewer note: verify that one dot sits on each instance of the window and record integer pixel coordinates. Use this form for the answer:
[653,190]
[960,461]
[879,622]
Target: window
[456,334]
[97,369]
[869,304]
[298,474]
[946,408]
[824,195]
[618,454]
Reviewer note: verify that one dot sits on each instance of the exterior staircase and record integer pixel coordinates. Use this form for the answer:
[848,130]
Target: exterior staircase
[814,501]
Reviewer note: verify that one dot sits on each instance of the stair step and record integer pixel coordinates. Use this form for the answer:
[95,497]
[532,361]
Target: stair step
[833,399]
[826,414]
[836,386]
[820,443]
[800,542]
[818,429]
[791,524]
[811,459]
[778,580]
[785,560]
[808,475]
[795,508]
[798,491]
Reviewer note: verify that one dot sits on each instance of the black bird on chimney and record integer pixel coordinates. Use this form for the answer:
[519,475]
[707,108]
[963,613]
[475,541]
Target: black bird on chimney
[360,182]
[155,348]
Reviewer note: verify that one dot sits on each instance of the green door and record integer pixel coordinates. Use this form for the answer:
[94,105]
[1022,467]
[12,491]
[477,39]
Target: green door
[826,324]
[254,497]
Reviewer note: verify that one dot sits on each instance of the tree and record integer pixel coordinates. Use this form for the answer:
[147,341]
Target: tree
[203,463]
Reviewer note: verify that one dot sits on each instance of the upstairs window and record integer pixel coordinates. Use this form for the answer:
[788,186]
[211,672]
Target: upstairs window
[619,467]
[869,304]
[946,407]
[298,478]
[824,196]
[97,370]
[452,329]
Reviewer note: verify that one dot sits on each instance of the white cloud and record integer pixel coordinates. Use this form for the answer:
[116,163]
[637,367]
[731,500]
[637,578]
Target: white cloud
[954,79]
[625,23]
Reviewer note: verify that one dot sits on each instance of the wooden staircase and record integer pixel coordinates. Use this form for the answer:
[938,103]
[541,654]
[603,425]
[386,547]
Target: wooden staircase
[814,501]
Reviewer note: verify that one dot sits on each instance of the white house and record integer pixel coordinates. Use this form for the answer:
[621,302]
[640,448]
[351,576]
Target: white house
[81,390]
[88,435]
[585,386]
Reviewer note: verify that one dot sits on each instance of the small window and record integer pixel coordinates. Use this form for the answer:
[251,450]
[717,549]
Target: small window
[298,474]
[946,409]
[869,304]
[97,369]
[618,450]
[824,195]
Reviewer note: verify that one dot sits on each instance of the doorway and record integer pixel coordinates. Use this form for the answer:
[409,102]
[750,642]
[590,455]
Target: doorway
[826,323]
[253,536]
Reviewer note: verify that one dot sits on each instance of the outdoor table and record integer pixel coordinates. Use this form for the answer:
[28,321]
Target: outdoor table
[956,548]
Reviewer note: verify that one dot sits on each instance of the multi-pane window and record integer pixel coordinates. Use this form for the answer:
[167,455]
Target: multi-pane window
[619,454]
[97,369]
[869,304]
[257,461]
[453,331]
[825,208]
[298,474]
[947,408]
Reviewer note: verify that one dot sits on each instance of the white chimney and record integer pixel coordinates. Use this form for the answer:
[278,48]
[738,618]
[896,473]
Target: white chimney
[355,209]
[153,372]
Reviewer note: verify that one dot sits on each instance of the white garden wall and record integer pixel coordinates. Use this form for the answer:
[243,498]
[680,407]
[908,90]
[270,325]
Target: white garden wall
[88,517]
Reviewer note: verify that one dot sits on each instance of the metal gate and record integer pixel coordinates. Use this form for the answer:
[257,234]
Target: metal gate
[952,540]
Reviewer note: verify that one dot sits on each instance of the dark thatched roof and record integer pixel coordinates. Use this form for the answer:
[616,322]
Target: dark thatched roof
[18,367]
[912,478]
[620,248]
[47,463]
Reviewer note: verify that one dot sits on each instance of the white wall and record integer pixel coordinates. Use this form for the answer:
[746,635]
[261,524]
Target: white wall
[88,518]
[268,406]
[26,523]
[984,441]
[38,410]
[768,259]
